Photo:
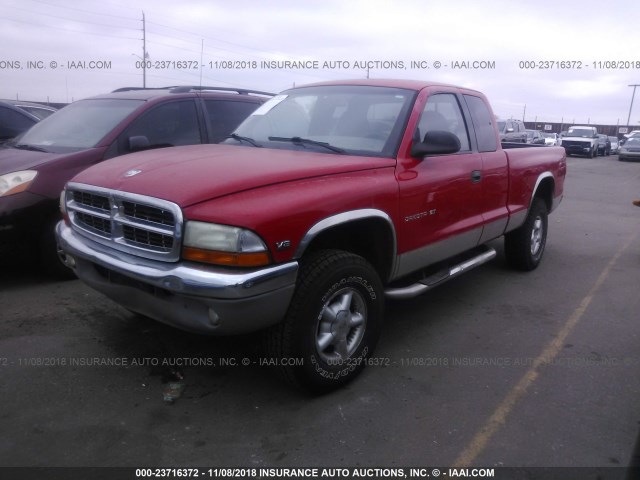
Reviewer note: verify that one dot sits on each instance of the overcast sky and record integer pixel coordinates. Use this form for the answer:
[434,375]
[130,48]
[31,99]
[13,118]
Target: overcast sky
[47,47]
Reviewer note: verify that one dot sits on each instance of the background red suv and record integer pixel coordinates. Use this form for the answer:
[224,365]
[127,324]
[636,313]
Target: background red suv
[35,166]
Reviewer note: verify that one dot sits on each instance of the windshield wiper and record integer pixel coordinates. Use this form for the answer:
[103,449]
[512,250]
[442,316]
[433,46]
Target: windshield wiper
[33,148]
[302,141]
[240,138]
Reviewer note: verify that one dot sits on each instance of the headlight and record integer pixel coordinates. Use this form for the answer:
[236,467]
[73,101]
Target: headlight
[223,245]
[63,207]
[16,182]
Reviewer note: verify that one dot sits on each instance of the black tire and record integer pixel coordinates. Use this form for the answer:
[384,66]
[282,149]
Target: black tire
[329,347]
[49,257]
[524,246]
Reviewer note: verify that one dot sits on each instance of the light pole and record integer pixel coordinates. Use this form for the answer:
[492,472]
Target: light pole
[144,52]
[631,106]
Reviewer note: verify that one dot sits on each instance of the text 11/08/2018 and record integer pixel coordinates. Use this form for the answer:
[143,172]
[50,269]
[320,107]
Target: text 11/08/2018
[579,65]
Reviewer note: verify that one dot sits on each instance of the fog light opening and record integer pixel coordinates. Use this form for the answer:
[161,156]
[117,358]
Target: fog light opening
[214,318]
[68,260]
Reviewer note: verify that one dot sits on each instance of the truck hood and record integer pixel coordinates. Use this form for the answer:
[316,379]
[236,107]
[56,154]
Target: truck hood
[193,174]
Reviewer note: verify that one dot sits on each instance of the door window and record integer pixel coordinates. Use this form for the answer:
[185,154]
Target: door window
[483,124]
[167,125]
[442,112]
[224,116]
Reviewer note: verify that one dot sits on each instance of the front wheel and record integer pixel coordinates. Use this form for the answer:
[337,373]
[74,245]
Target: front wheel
[333,322]
[524,246]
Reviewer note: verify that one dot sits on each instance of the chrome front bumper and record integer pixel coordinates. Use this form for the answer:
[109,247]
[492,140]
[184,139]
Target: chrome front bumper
[189,296]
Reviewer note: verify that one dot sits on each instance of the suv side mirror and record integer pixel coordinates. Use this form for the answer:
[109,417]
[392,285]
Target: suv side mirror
[436,142]
[138,142]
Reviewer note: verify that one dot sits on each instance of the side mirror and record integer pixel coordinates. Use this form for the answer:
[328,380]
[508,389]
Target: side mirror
[138,142]
[436,142]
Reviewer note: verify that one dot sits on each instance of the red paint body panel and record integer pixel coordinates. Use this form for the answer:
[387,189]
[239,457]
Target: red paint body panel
[294,207]
[198,173]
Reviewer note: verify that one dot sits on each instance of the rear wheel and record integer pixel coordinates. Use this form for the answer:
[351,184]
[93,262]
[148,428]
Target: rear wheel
[524,246]
[333,322]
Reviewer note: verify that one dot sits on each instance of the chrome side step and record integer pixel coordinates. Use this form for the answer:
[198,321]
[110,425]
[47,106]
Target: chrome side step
[440,277]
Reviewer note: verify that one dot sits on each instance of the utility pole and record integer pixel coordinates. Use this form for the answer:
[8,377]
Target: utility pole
[524,112]
[144,52]
[631,106]
[201,55]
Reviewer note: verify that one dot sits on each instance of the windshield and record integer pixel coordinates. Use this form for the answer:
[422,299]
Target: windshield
[549,135]
[634,141]
[358,120]
[78,126]
[580,132]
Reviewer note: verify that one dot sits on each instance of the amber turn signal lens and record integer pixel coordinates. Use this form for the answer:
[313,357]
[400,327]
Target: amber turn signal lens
[229,259]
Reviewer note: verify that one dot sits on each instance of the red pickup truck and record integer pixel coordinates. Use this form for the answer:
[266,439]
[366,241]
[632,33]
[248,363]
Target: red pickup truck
[327,199]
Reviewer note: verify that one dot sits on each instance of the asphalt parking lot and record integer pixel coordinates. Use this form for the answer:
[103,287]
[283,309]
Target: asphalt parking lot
[495,368]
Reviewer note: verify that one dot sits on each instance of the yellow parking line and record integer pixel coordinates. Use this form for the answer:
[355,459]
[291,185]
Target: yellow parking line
[499,417]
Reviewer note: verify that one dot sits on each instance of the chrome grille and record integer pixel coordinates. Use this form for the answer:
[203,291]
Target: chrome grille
[149,214]
[136,224]
[95,201]
[575,143]
[144,237]
[99,226]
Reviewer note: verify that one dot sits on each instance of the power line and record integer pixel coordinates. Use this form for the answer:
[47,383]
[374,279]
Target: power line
[72,20]
[84,11]
[69,29]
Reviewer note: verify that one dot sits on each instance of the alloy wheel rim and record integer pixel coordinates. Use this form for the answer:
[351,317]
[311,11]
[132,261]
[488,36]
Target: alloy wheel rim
[341,325]
[536,236]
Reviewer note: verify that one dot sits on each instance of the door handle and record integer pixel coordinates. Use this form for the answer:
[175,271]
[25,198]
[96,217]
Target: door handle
[476,176]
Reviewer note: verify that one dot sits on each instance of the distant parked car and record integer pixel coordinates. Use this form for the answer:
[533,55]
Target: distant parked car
[512,131]
[630,150]
[614,144]
[535,137]
[627,136]
[35,166]
[16,117]
[604,145]
[38,109]
[581,140]
[551,139]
